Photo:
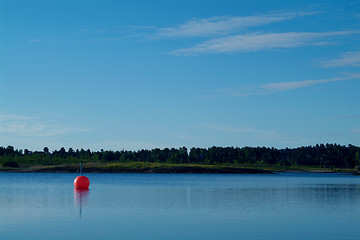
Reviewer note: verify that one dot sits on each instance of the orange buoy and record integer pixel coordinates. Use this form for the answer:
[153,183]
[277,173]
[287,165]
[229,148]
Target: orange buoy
[81,182]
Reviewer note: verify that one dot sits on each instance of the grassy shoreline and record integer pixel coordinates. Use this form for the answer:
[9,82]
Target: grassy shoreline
[146,167]
[138,167]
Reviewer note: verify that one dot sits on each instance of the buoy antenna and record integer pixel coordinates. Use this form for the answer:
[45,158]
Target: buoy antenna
[80,168]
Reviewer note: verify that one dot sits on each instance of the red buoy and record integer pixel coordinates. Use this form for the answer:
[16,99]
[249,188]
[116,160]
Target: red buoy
[81,182]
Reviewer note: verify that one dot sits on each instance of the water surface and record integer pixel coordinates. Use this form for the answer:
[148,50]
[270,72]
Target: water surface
[180,206]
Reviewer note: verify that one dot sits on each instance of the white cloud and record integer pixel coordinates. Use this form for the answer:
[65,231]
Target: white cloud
[261,41]
[196,27]
[356,131]
[348,59]
[42,40]
[13,117]
[238,129]
[215,26]
[33,126]
[254,136]
[285,86]
[271,88]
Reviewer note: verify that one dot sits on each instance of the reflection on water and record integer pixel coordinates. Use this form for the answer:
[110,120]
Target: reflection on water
[180,206]
[81,199]
[330,198]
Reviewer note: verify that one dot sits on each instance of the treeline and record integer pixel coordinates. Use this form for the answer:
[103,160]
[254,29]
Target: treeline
[329,155]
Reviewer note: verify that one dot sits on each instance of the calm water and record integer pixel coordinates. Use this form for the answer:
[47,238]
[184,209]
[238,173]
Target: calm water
[180,206]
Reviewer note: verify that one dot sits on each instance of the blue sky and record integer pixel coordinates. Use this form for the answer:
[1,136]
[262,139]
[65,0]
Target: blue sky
[153,74]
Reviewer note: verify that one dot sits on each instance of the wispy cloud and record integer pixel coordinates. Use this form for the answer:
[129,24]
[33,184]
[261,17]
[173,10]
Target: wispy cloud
[224,34]
[254,136]
[42,40]
[216,26]
[237,129]
[262,41]
[13,117]
[33,126]
[348,59]
[196,27]
[356,131]
[271,88]
[285,86]
[257,137]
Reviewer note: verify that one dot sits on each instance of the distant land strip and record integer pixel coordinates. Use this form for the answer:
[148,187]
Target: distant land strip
[139,168]
[264,160]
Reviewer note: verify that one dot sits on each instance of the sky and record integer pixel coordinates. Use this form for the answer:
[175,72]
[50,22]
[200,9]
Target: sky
[131,75]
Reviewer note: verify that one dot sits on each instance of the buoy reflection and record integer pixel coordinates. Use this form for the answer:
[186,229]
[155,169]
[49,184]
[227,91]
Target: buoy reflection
[81,198]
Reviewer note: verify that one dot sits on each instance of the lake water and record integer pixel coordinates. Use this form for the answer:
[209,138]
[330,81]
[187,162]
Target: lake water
[180,206]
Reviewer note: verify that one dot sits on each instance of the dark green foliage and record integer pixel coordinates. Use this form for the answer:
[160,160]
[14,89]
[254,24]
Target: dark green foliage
[328,156]
[11,164]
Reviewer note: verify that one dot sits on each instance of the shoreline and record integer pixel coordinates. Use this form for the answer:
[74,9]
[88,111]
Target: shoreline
[154,167]
[167,168]
[119,168]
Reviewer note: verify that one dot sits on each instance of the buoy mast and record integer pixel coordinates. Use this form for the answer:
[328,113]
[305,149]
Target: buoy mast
[80,168]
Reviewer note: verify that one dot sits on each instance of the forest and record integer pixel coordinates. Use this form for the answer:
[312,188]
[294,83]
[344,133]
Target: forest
[323,156]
